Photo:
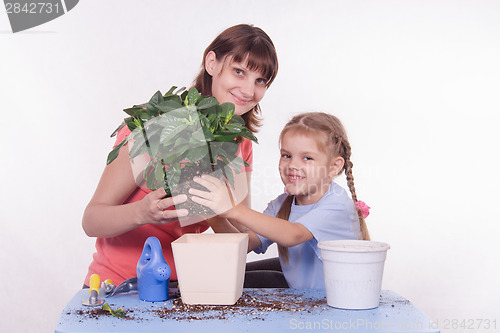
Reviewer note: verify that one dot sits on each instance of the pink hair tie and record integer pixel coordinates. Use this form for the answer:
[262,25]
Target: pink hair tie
[363,208]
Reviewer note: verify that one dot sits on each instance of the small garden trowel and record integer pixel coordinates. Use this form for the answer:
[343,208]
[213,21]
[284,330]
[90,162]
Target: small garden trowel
[124,287]
[93,299]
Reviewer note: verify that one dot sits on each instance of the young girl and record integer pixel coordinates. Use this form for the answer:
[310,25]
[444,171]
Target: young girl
[314,149]
[238,67]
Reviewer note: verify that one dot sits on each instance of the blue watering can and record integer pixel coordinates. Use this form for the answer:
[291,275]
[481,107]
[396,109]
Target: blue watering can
[153,272]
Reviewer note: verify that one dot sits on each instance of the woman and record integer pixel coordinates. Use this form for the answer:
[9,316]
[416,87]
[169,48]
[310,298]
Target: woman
[238,67]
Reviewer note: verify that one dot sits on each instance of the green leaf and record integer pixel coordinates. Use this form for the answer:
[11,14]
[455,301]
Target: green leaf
[149,175]
[157,177]
[204,121]
[138,147]
[229,148]
[235,163]
[174,115]
[192,97]
[226,112]
[225,137]
[249,135]
[152,110]
[131,124]
[113,154]
[150,113]
[175,98]
[184,95]
[238,162]
[141,106]
[169,105]
[233,128]
[180,141]
[154,144]
[122,125]
[215,122]
[173,175]
[196,154]
[170,91]
[147,114]
[176,154]
[209,136]
[198,136]
[116,313]
[237,120]
[208,102]
[227,173]
[181,90]
[133,111]
[156,98]
[171,130]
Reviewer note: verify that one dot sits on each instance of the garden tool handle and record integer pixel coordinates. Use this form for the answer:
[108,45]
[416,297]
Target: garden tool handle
[95,281]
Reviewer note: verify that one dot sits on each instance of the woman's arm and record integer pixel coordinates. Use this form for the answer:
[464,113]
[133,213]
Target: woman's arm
[106,216]
[278,230]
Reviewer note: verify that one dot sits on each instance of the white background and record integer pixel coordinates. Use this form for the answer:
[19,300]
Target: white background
[416,84]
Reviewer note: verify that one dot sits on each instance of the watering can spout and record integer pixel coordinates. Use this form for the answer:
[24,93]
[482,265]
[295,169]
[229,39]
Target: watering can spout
[153,272]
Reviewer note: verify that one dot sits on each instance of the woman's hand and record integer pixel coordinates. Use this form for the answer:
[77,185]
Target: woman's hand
[107,216]
[156,209]
[220,197]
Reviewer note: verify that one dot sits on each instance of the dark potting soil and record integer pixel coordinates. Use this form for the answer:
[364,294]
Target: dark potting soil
[247,307]
[186,182]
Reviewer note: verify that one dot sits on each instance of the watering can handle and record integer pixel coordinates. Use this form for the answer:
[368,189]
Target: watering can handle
[152,249]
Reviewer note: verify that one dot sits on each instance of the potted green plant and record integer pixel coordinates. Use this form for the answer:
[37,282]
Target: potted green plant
[179,135]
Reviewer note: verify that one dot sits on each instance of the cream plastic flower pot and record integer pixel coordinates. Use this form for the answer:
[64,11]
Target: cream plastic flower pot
[353,272]
[210,267]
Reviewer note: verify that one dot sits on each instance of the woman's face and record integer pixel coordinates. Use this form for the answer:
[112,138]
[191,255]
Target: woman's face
[234,82]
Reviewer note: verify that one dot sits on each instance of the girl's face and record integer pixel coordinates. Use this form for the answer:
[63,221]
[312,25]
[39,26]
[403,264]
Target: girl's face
[234,82]
[305,170]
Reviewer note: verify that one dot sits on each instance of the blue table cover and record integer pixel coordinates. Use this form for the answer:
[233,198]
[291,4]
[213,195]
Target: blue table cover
[258,310]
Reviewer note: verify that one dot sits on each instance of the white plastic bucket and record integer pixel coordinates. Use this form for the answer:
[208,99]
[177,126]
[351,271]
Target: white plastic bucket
[353,272]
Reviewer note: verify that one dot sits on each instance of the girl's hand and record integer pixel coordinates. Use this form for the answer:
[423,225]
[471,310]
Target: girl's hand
[220,197]
[155,207]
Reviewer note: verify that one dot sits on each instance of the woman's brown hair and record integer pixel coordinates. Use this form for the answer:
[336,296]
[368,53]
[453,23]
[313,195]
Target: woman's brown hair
[335,143]
[242,42]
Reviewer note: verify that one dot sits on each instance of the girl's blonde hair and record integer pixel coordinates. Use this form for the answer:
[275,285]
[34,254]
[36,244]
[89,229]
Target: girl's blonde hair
[242,42]
[335,143]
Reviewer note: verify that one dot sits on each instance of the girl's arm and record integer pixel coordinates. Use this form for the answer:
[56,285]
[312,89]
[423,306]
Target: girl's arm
[253,240]
[222,225]
[278,230]
[242,184]
[106,216]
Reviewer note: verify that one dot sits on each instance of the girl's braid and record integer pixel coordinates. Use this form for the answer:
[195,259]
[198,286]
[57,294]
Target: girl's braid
[350,184]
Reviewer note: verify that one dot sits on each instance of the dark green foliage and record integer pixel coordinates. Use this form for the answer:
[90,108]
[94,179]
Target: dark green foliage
[182,129]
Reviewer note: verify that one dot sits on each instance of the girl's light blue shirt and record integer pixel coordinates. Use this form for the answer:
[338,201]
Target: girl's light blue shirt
[332,217]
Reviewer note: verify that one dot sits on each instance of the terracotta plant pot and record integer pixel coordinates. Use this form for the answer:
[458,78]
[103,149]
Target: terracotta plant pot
[210,267]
